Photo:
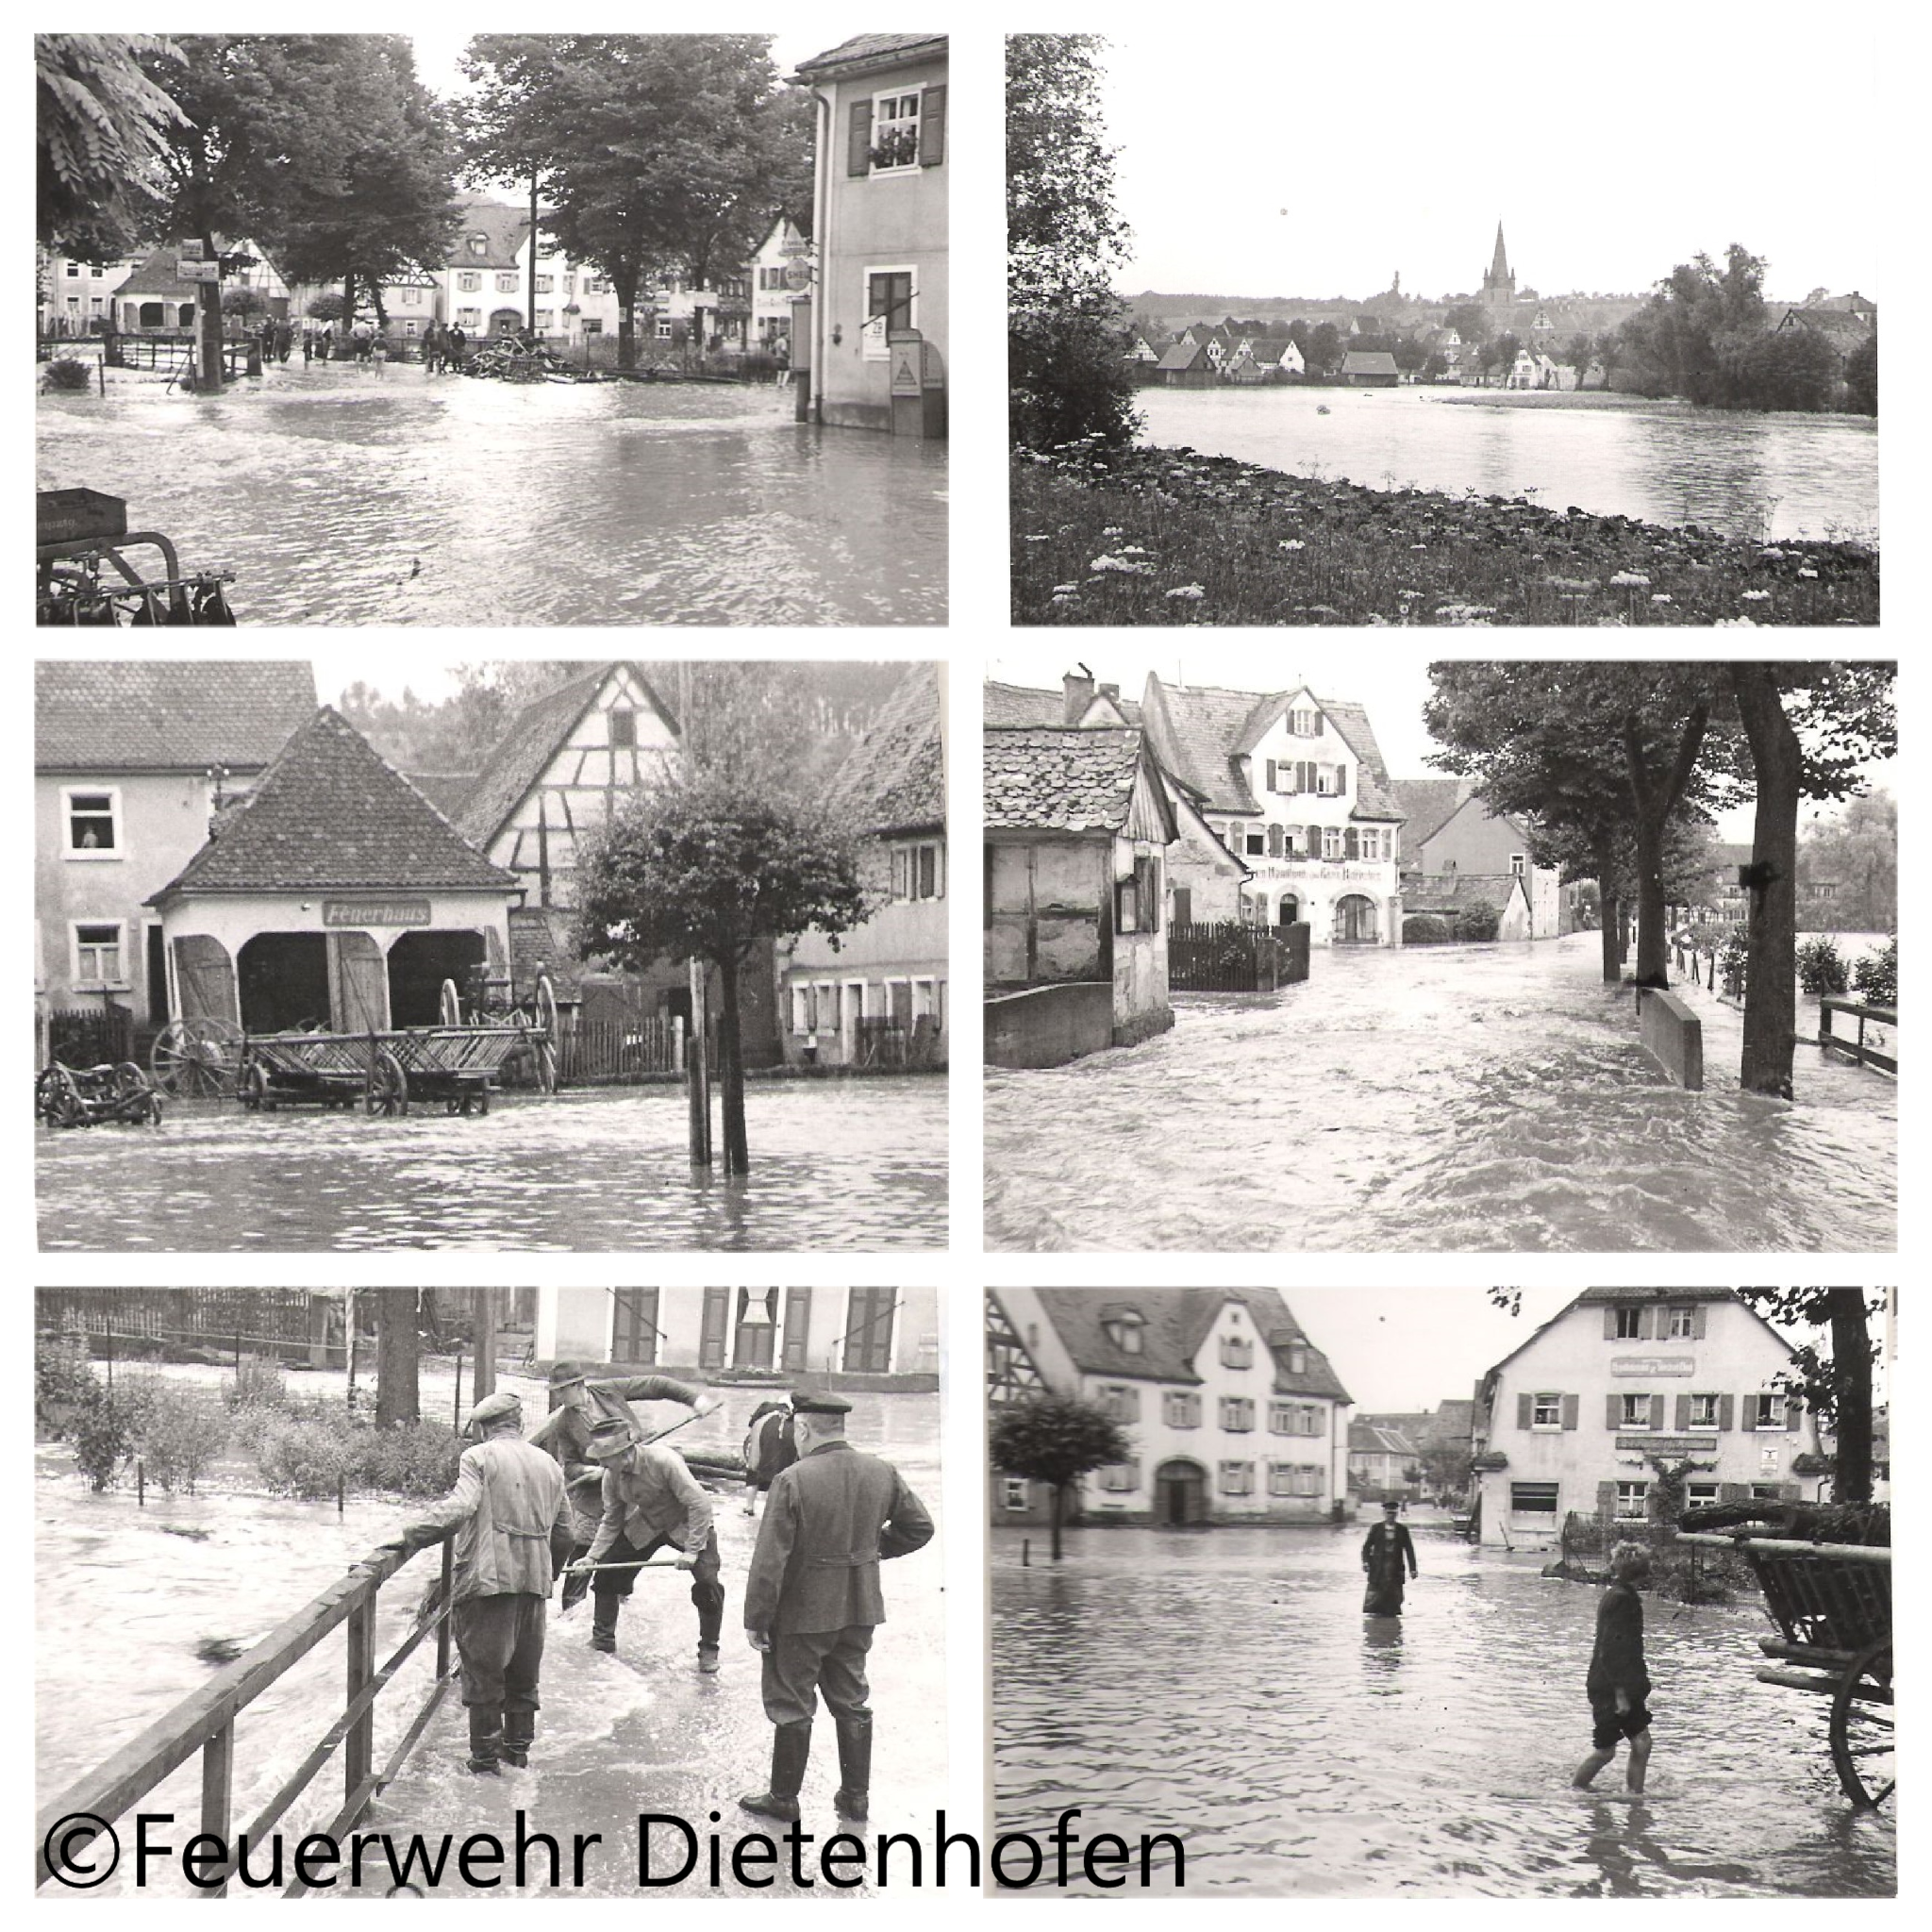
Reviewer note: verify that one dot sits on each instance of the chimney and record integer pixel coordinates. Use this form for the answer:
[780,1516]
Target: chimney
[1079,694]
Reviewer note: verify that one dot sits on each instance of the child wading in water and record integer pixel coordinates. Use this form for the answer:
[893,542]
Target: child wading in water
[1617,1683]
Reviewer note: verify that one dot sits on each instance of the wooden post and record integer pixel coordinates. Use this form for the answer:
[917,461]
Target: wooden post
[218,1790]
[456,1423]
[700,1078]
[443,1629]
[485,1299]
[358,1747]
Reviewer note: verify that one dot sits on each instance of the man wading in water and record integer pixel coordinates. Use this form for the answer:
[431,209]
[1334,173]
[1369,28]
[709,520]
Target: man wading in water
[1385,1550]
[1618,1684]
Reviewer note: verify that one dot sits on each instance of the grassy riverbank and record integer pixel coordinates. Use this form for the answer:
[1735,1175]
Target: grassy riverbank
[1167,536]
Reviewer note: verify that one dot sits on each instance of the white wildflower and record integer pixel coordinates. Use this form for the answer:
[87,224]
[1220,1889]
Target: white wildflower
[1756,597]
[1808,572]
[1292,543]
[1193,592]
[1630,580]
[1659,596]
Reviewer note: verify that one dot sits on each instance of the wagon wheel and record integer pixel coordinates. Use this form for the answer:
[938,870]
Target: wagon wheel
[451,1004]
[544,1004]
[196,1058]
[251,1087]
[1861,1729]
[388,1089]
[56,1098]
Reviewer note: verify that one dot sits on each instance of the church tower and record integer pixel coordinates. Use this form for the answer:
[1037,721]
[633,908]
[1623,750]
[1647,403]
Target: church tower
[1499,284]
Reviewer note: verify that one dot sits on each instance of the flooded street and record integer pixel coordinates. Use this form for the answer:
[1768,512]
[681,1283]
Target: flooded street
[1482,1098]
[1747,474]
[1223,1685]
[338,498]
[854,1164]
[617,1735]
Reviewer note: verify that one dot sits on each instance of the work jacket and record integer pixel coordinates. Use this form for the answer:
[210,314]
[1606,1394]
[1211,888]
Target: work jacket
[831,1518]
[566,1432]
[512,1516]
[648,1495]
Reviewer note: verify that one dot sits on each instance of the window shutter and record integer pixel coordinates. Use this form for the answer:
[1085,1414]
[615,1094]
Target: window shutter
[1572,1404]
[1750,1421]
[858,140]
[1646,1325]
[1613,1411]
[932,127]
[1272,770]
[1610,1323]
[1697,1315]
[1523,1411]
[1793,1410]
[1341,781]
[1683,1413]
[1726,1406]
[1314,841]
[938,872]
[1351,844]
[1274,841]
[1733,1492]
[1607,1499]
[1306,775]
[1790,1492]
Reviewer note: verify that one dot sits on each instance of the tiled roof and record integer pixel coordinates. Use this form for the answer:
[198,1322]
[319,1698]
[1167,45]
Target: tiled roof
[1846,331]
[159,273]
[540,936]
[870,47]
[330,814]
[1020,704]
[1372,797]
[504,228]
[1457,891]
[1427,805]
[1187,356]
[445,791]
[896,772]
[167,713]
[1175,1323]
[1377,1439]
[1368,362]
[1059,778]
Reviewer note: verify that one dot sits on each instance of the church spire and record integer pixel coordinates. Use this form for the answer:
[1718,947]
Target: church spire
[1499,267]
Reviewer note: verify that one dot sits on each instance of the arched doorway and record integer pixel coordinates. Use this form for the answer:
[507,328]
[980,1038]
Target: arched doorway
[506,322]
[284,981]
[1291,910]
[1180,1493]
[1355,920]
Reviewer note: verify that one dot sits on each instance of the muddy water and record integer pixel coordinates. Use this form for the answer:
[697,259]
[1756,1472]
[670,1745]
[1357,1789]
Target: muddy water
[337,498]
[1488,1098]
[847,1164]
[1224,1685]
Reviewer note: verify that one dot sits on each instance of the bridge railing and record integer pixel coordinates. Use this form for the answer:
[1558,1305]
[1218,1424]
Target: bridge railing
[1880,1050]
[204,1723]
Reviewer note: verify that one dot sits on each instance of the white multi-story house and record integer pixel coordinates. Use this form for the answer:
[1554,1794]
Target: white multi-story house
[1578,1418]
[76,297]
[1450,833]
[1234,1415]
[776,263]
[1294,786]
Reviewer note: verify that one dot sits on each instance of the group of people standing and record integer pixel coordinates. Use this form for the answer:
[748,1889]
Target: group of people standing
[590,1497]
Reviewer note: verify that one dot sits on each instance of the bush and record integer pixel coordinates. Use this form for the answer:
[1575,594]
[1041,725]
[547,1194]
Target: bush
[63,1380]
[1424,929]
[69,372]
[99,1436]
[1821,971]
[1477,923]
[417,1458]
[184,1433]
[1875,976]
[257,1383]
[139,1395]
[306,1455]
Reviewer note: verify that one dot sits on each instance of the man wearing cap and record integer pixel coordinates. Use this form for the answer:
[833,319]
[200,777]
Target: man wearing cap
[513,1528]
[651,1502]
[812,1598]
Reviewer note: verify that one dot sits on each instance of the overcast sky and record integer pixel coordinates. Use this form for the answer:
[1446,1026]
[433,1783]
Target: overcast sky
[1281,152]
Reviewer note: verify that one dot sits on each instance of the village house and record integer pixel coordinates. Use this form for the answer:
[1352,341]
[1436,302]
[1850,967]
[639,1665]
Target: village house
[76,298]
[1448,833]
[131,761]
[1077,825]
[878,995]
[1234,1414]
[877,340]
[1475,906]
[1369,369]
[1579,1416]
[1382,1461]
[821,1338]
[778,262]
[159,295]
[1296,788]
[1190,365]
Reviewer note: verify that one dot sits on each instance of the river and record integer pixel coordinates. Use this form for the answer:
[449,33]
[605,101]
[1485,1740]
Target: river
[1439,1099]
[1224,1685]
[337,498]
[1748,474]
[833,1165]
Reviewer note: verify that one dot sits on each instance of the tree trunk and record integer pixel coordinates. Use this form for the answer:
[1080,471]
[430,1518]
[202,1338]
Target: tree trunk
[731,1087]
[1055,1512]
[1655,798]
[625,289]
[211,371]
[484,1323]
[1771,981]
[1653,953]
[396,1357]
[1851,1361]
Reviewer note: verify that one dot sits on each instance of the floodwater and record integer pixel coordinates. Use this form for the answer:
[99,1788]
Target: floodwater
[1461,1099]
[338,498]
[1224,1685]
[120,1604]
[857,1164]
[1766,476]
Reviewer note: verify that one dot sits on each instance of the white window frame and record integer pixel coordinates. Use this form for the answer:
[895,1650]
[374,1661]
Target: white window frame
[1700,1492]
[1768,1402]
[1284,1419]
[1519,864]
[469,318]
[917,123]
[1625,1397]
[1128,1332]
[1632,1501]
[116,820]
[1281,1478]
[1688,1315]
[1716,1411]
[469,282]
[1237,1414]
[1237,1351]
[1325,781]
[1307,1477]
[1235,1479]
[1121,1478]
[1545,1399]
[506,282]
[1180,1408]
[1013,1492]
[99,983]
[1334,841]
[876,348]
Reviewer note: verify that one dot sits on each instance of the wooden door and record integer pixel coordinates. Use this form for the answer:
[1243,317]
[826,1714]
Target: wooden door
[714,1330]
[357,984]
[869,1330]
[205,976]
[634,1331]
[795,1353]
[757,1329]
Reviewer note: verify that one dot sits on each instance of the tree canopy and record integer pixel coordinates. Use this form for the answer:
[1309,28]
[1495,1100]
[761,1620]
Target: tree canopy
[100,119]
[1054,1439]
[1835,1383]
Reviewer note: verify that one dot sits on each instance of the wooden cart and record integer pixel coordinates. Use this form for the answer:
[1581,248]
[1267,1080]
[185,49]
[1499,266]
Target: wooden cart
[68,1096]
[380,1072]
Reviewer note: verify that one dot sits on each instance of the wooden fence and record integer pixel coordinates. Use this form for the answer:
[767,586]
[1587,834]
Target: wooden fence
[90,1036]
[612,1053]
[1233,958]
[1880,1050]
[292,1321]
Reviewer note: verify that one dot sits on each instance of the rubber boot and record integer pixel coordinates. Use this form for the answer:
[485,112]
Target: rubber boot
[790,1750]
[855,1768]
[486,1737]
[520,1733]
[603,1623]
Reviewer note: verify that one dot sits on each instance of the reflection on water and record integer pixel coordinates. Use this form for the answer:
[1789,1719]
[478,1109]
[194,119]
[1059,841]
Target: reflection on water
[1486,1098]
[1224,1685]
[1746,475]
[339,499]
[846,1164]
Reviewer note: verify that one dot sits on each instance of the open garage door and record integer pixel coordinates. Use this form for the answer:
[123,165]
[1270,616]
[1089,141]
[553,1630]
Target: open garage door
[419,962]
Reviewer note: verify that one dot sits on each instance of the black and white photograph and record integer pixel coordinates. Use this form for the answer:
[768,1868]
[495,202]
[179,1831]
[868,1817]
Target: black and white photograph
[1317,950]
[589,1561]
[1428,326]
[1434,1592]
[472,328]
[536,954]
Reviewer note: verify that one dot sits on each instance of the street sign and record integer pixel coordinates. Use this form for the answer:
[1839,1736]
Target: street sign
[199,271]
[798,275]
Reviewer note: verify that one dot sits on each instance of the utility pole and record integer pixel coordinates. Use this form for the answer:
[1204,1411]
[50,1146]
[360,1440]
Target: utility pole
[531,318]
[698,1082]
[485,1326]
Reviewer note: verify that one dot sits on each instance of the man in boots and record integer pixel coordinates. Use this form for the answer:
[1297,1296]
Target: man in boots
[812,1598]
[651,1502]
[513,1528]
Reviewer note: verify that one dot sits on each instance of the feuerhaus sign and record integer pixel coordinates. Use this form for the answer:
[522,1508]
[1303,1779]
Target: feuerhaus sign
[360,912]
[1652,1365]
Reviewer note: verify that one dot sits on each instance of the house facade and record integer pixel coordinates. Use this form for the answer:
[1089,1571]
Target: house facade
[1294,787]
[159,296]
[1234,1415]
[1577,1417]
[1382,1461]
[822,1337]
[879,226]
[1449,831]
[76,298]
[773,266]
[131,762]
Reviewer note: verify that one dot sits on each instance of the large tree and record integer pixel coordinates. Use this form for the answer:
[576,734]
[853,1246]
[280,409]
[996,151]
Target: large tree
[100,122]
[397,1347]
[1054,1439]
[1067,331]
[1835,1382]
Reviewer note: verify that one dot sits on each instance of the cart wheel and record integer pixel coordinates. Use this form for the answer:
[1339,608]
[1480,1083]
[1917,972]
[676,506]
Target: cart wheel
[388,1092]
[546,1066]
[57,1099]
[196,1058]
[251,1087]
[451,1004]
[1861,1729]
[455,1105]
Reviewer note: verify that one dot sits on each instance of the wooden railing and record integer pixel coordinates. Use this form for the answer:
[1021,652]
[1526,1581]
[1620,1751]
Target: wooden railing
[1879,1053]
[204,1722]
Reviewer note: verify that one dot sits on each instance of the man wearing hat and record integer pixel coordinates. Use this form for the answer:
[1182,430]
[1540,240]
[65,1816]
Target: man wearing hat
[513,1528]
[812,1597]
[651,1501]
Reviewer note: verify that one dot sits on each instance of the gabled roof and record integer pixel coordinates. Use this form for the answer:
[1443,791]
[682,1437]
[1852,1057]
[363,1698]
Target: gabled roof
[167,714]
[331,814]
[1020,704]
[1428,805]
[896,774]
[504,228]
[1175,1323]
[535,737]
[1062,778]
[1460,892]
[866,52]
[1187,356]
[1846,331]
[1596,1297]
[1377,1439]
[1368,362]
[159,271]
